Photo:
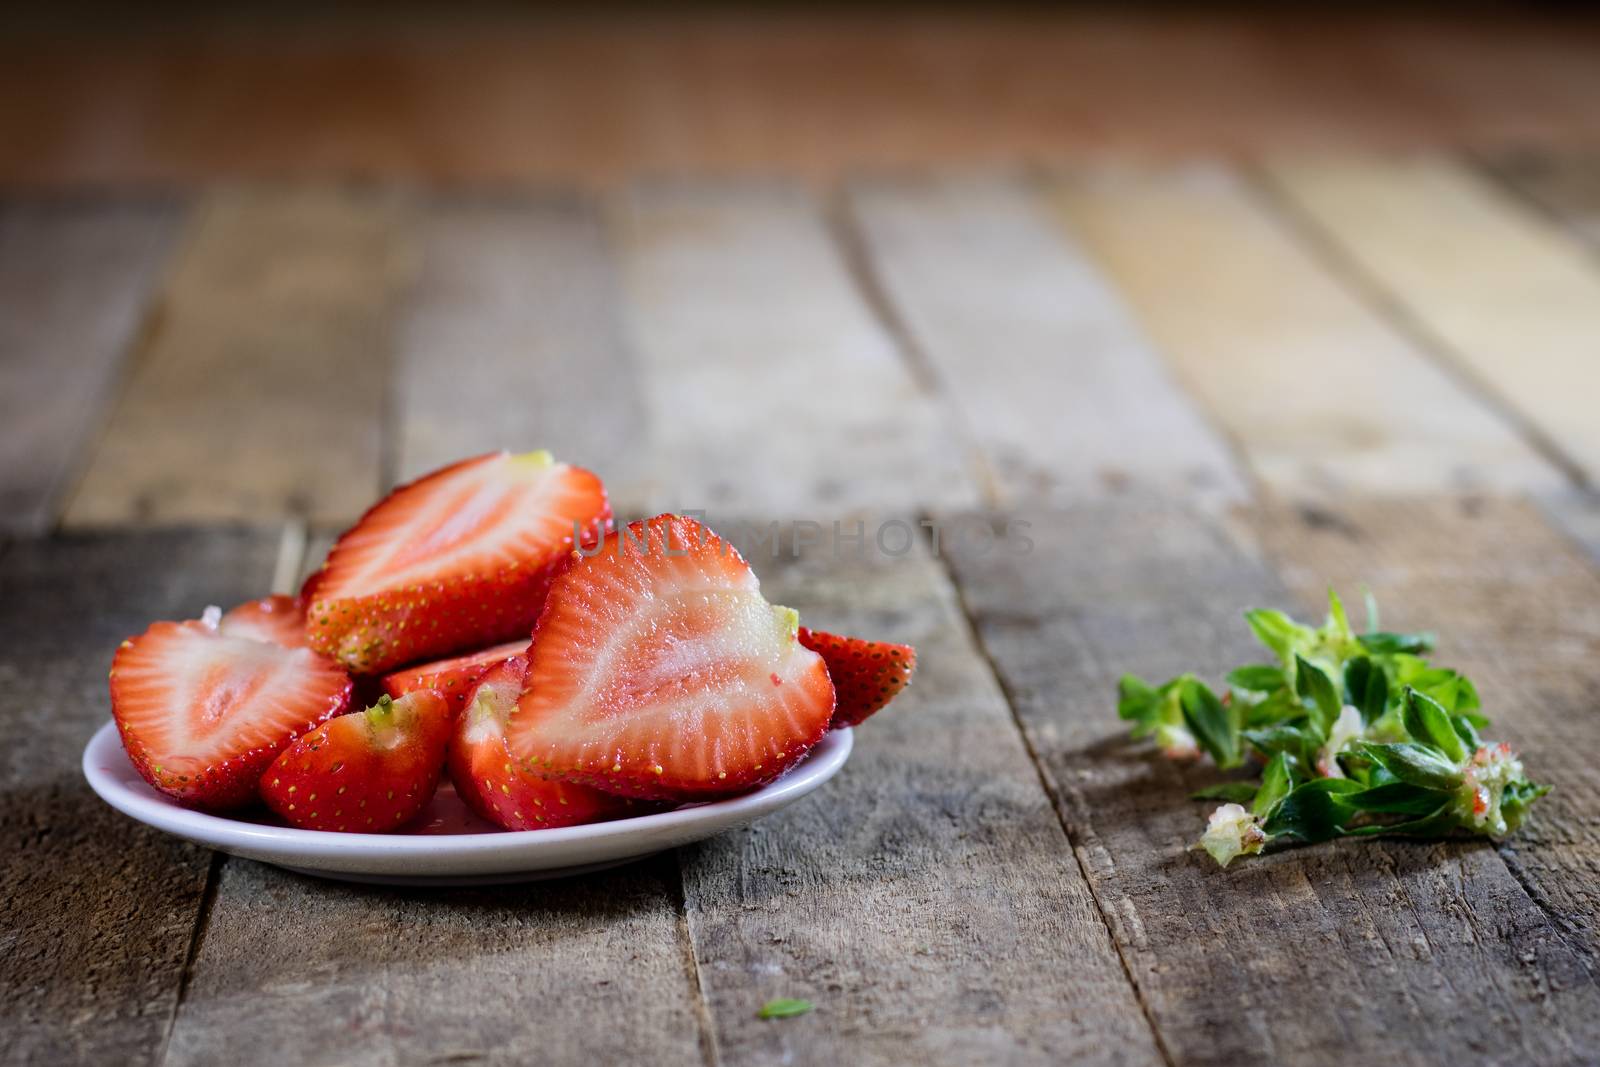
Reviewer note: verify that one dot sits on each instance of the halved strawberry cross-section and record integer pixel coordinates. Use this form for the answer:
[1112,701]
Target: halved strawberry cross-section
[658,670]
[459,559]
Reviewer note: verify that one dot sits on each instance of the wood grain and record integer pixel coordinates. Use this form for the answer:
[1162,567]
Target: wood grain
[75,280]
[510,339]
[97,913]
[304,971]
[1386,951]
[926,901]
[1566,185]
[1050,376]
[1320,394]
[1517,609]
[1494,287]
[259,392]
[768,384]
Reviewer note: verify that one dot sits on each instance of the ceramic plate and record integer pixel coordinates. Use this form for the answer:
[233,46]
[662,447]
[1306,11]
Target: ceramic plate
[448,845]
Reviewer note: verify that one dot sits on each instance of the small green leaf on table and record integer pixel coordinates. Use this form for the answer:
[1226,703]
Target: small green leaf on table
[784,1008]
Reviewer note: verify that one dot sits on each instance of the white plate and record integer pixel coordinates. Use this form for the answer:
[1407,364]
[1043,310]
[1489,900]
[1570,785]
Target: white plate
[448,845]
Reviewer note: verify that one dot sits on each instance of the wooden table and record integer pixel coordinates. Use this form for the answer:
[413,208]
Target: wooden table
[1206,387]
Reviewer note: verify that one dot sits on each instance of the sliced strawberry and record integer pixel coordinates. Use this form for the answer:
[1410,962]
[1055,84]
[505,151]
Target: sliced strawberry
[370,772]
[493,786]
[452,677]
[866,674]
[459,559]
[202,713]
[657,670]
[279,619]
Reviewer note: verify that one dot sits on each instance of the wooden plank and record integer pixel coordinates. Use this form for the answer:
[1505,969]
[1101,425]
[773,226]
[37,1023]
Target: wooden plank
[926,901]
[768,385]
[510,340]
[98,911]
[1386,951]
[1503,293]
[1518,609]
[260,391]
[75,278]
[1034,350]
[1565,185]
[299,970]
[1320,394]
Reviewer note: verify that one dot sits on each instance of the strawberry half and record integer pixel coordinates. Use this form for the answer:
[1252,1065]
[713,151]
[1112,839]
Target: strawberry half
[657,670]
[202,712]
[452,677]
[866,674]
[370,772]
[459,559]
[491,784]
[277,618]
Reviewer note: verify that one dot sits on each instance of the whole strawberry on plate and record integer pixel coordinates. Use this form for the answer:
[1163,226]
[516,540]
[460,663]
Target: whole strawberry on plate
[494,787]
[657,670]
[202,711]
[459,559]
[453,677]
[369,772]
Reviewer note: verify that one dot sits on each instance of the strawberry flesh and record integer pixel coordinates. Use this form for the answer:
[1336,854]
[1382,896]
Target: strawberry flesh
[277,618]
[453,677]
[657,670]
[459,559]
[203,712]
[491,785]
[370,772]
[866,674]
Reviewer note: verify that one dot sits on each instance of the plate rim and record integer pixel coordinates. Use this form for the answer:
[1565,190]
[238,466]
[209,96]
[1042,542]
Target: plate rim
[294,846]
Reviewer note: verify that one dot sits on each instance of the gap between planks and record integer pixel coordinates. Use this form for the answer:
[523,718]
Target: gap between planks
[1047,785]
[855,249]
[1510,296]
[1392,307]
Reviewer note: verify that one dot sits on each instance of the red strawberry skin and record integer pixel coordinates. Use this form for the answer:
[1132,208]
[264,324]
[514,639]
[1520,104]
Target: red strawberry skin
[866,674]
[277,618]
[658,671]
[370,772]
[490,783]
[459,559]
[453,677]
[202,713]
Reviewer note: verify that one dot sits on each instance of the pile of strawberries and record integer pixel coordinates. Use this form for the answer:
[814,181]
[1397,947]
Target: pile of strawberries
[655,672]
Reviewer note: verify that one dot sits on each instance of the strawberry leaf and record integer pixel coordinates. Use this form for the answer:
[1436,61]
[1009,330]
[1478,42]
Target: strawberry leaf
[1416,764]
[1233,792]
[1258,678]
[1313,683]
[1384,644]
[1276,782]
[1429,724]
[1212,725]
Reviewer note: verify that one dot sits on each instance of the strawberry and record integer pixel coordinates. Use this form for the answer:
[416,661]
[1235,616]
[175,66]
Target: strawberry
[452,677]
[370,772]
[492,786]
[279,619]
[202,712]
[657,670]
[866,674]
[459,559]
